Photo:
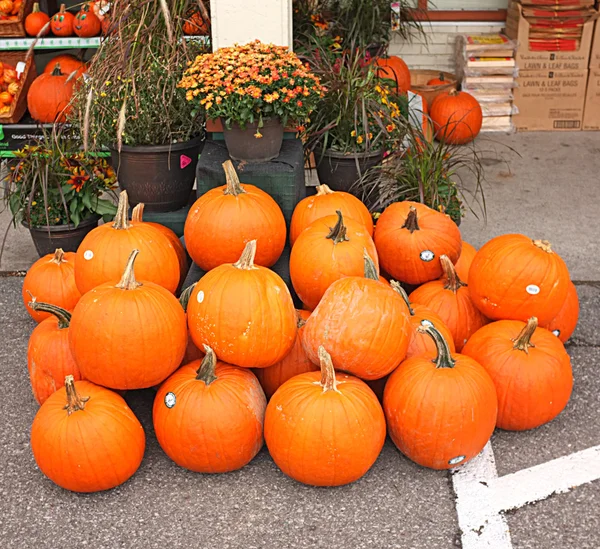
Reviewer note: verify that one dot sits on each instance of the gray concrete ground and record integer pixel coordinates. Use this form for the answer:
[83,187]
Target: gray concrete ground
[397,504]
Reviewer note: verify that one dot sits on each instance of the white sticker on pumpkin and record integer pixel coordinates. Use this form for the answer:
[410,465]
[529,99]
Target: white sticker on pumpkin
[532,289]
[200,296]
[456,460]
[170,400]
[556,332]
[427,323]
[427,255]
[88,254]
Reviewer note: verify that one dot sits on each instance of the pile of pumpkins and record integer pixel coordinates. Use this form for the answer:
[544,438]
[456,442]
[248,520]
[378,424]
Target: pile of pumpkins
[477,344]
[91,20]
[9,10]
[9,87]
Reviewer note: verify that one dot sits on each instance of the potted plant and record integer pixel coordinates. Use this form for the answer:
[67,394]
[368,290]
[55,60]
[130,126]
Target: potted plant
[131,104]
[254,89]
[56,191]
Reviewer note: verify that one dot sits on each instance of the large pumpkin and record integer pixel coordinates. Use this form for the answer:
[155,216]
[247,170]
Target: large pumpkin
[564,323]
[62,22]
[329,249]
[530,368]
[327,202]
[514,278]
[324,429]
[49,357]
[36,21]
[244,312]
[68,64]
[463,265]
[223,220]
[86,439]
[49,96]
[294,363]
[208,416]
[87,24]
[440,413]
[451,300]
[105,250]
[395,69]
[363,323]
[410,239]
[51,279]
[456,116]
[128,335]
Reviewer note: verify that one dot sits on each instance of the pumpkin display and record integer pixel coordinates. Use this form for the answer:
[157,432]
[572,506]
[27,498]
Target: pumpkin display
[564,323]
[194,24]
[440,413]
[86,439]
[324,429]
[128,335]
[514,278]
[51,279]
[104,251]
[451,300]
[463,265]
[6,7]
[37,21]
[456,116]
[49,96]
[438,80]
[394,68]
[327,202]
[68,64]
[244,312]
[362,323]
[410,239]
[62,22]
[49,357]
[329,249]
[208,416]
[87,24]
[294,363]
[191,351]
[530,368]
[223,220]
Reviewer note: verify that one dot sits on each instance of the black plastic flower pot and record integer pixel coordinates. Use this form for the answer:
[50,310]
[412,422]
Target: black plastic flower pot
[243,145]
[47,239]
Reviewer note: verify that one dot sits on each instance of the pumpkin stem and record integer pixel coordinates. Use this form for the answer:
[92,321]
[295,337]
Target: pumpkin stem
[444,356]
[523,341]
[442,77]
[453,93]
[121,221]
[246,260]
[412,222]
[137,215]
[544,245]
[75,403]
[233,187]
[399,289]
[300,321]
[36,8]
[128,281]
[59,255]
[328,381]
[56,70]
[453,282]
[370,269]
[206,372]
[338,232]
[184,298]
[64,316]
[322,190]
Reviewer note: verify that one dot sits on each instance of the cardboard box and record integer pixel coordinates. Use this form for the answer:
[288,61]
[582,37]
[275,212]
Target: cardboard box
[595,54]
[591,113]
[550,100]
[517,27]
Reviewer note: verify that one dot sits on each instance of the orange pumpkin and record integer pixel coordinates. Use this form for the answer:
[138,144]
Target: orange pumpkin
[223,220]
[244,312]
[363,324]
[438,81]
[62,22]
[294,363]
[324,429]
[6,98]
[208,416]
[410,238]
[36,21]
[329,249]
[530,368]
[68,64]
[514,278]
[86,23]
[6,6]
[327,202]
[49,96]
[456,116]
[104,251]
[396,69]
[564,323]
[194,24]
[92,443]
[440,413]
[49,358]
[463,265]
[51,279]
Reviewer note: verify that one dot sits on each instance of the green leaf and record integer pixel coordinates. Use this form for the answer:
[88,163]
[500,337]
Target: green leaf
[104,208]
[75,218]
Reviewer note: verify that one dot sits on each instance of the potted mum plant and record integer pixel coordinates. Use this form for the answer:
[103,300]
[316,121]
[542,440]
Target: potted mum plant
[255,90]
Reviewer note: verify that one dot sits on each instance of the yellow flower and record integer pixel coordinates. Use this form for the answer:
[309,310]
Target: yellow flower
[258,135]
[34,203]
[353,133]
[359,139]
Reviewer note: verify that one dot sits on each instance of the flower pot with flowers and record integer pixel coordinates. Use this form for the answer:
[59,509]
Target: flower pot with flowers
[255,90]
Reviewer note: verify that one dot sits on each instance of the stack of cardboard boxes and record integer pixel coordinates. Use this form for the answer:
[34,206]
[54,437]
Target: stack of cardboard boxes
[591,115]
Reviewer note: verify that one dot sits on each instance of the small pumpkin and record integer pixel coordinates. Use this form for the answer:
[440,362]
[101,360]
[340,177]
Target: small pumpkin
[456,116]
[37,21]
[324,429]
[514,278]
[329,249]
[261,320]
[394,68]
[128,335]
[410,239]
[6,6]
[13,88]
[440,413]
[62,22]
[9,74]
[463,265]
[223,220]
[6,98]
[194,24]
[86,439]
[68,64]
[564,323]
[51,279]
[530,368]
[49,357]
[87,24]
[49,96]
[327,202]
[208,416]
[438,80]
